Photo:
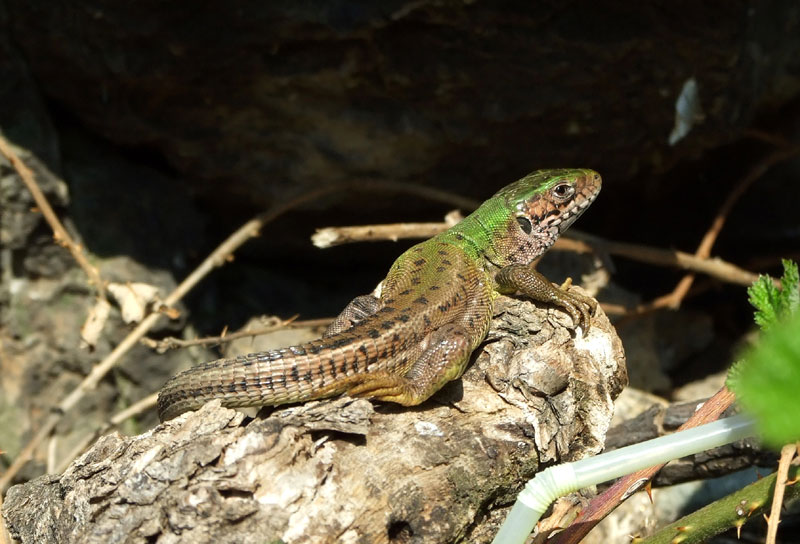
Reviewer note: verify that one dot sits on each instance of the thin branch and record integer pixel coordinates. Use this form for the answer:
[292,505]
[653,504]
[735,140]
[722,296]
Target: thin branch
[218,257]
[603,504]
[755,173]
[60,234]
[150,401]
[787,454]
[714,267]
[133,410]
[333,236]
[729,512]
[575,240]
[674,299]
[171,342]
[766,137]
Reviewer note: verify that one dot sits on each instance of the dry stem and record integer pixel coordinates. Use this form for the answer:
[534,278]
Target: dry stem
[674,299]
[603,504]
[172,342]
[60,234]
[218,257]
[787,454]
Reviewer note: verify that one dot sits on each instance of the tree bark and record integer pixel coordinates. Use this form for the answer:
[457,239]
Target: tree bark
[345,470]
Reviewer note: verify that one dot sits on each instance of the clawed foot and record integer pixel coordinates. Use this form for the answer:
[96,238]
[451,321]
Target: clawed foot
[529,282]
[384,387]
[579,307]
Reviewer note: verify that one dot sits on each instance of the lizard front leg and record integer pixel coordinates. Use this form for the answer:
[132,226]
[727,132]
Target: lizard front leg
[443,359]
[532,284]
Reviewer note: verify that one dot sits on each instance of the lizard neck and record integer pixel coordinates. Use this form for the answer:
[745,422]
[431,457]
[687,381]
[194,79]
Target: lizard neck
[475,234]
[490,236]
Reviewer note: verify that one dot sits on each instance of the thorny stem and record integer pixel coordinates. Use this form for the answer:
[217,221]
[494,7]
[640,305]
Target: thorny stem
[731,511]
[604,503]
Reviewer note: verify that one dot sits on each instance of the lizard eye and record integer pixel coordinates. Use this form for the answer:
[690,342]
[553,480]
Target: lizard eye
[563,191]
[524,224]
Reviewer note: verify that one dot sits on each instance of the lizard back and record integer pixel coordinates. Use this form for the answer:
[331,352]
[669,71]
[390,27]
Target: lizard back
[411,306]
[434,309]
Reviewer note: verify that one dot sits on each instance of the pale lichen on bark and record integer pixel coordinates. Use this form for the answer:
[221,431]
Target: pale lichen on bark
[346,470]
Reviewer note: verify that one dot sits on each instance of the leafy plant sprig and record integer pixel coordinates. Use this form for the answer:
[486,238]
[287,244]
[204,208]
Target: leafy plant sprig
[767,378]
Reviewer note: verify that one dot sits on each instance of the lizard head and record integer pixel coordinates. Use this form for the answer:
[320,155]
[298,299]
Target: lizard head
[544,204]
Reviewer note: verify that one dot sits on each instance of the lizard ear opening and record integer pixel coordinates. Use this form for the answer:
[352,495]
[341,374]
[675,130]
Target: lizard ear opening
[524,224]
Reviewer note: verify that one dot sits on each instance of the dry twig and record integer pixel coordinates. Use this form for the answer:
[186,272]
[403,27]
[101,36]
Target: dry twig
[218,257]
[576,241]
[674,299]
[714,267]
[133,410]
[60,234]
[787,454]
[603,504]
[333,236]
[275,324]
[150,401]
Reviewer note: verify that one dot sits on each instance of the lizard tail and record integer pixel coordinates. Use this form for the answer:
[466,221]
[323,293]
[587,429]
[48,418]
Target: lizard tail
[258,379]
[318,369]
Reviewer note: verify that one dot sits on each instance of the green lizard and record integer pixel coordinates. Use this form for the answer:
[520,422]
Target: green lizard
[434,309]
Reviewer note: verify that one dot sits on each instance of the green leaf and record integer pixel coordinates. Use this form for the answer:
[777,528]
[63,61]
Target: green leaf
[774,304]
[791,286]
[767,382]
[767,379]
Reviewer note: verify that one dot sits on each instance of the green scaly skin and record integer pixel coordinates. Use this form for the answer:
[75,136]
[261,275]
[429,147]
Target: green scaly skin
[434,309]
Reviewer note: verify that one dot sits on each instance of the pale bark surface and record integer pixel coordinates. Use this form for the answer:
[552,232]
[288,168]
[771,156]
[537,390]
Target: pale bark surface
[347,470]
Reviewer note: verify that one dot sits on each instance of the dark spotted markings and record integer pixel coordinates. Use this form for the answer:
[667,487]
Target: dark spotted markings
[343,341]
[388,335]
[332,364]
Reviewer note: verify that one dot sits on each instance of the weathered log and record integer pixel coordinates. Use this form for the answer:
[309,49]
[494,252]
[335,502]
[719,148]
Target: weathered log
[345,470]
